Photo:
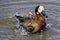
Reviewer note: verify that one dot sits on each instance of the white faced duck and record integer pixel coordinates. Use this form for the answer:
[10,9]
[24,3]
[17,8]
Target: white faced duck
[35,23]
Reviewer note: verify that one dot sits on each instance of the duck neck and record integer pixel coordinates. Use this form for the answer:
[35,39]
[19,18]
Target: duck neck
[39,18]
[38,14]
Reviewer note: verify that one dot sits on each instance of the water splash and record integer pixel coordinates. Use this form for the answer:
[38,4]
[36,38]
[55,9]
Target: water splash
[23,31]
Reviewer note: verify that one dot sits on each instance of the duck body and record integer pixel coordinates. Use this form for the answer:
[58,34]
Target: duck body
[33,23]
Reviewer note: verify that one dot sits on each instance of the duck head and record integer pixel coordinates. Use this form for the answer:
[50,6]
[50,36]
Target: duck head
[40,9]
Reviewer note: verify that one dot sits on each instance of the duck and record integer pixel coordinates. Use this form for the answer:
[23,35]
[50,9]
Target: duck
[33,23]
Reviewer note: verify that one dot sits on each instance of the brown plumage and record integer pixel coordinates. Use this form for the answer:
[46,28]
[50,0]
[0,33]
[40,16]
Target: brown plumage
[33,23]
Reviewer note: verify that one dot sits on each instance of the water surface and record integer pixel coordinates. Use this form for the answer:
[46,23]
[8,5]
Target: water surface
[9,7]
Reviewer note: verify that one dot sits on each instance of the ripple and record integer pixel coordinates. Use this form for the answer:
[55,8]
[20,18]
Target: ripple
[54,37]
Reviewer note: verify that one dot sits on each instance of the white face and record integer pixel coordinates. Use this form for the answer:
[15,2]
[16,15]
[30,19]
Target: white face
[40,9]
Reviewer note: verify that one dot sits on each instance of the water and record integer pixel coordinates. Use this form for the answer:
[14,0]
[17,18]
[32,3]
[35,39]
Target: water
[9,7]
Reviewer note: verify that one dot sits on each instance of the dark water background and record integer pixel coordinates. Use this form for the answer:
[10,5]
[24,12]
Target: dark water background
[9,7]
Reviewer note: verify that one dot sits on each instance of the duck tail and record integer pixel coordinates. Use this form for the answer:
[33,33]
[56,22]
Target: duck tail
[20,18]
